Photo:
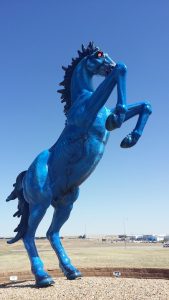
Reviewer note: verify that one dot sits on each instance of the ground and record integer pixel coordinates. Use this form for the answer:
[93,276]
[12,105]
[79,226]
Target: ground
[100,288]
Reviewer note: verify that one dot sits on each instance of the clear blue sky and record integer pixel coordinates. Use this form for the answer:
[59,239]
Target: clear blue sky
[37,37]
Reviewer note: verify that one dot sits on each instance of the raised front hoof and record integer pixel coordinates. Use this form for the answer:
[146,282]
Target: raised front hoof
[130,140]
[70,272]
[44,281]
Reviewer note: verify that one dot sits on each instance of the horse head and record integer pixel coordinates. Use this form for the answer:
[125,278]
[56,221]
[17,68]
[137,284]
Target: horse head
[90,61]
[99,63]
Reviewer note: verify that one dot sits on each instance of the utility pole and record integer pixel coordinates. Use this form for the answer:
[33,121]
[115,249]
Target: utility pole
[124,227]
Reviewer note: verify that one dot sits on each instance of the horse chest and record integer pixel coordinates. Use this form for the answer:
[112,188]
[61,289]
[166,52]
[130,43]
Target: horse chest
[81,149]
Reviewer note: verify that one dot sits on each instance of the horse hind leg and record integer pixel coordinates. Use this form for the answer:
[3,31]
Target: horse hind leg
[61,215]
[37,212]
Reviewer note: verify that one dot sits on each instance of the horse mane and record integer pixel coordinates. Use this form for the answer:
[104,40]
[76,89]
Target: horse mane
[66,83]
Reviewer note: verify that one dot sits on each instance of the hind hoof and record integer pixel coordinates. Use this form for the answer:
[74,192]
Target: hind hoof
[70,272]
[74,275]
[44,281]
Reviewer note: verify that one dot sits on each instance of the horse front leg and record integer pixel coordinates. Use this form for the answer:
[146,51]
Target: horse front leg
[118,115]
[61,215]
[99,97]
[142,109]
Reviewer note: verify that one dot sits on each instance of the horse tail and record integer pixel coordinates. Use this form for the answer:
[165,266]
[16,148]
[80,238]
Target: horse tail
[23,208]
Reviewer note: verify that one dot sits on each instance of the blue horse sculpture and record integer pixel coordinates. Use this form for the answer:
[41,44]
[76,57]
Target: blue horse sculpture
[55,175]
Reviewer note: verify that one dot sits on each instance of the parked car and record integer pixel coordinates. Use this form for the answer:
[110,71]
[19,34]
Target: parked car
[166,245]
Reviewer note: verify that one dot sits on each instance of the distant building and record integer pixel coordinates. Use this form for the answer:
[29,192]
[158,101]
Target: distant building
[160,238]
[149,238]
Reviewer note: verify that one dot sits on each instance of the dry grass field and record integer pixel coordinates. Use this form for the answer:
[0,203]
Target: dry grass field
[87,253]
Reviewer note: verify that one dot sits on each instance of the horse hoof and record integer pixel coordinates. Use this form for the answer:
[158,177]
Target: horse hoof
[111,122]
[44,281]
[71,273]
[74,275]
[130,140]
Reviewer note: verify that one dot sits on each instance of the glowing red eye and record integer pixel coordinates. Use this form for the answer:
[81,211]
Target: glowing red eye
[100,54]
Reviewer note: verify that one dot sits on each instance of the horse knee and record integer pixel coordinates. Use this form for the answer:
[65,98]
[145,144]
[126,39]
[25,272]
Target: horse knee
[121,67]
[147,107]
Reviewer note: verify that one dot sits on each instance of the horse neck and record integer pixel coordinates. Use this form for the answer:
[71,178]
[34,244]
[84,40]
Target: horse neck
[81,80]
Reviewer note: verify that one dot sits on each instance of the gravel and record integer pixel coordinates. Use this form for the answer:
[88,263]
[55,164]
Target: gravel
[90,288]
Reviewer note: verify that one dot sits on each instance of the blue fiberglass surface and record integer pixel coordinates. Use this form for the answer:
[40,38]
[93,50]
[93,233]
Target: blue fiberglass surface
[55,175]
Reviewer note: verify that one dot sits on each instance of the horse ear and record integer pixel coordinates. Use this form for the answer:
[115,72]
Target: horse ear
[91,44]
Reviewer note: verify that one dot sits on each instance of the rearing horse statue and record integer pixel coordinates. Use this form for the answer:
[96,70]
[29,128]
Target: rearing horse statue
[55,175]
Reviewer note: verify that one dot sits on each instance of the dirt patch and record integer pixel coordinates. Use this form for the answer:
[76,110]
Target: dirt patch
[145,273]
